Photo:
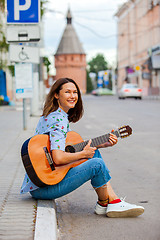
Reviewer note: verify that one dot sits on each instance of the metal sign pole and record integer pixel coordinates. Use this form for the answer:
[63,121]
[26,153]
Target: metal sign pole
[24,114]
[24,86]
[22,27]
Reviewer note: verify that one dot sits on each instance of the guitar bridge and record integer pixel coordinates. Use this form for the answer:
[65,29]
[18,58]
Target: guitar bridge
[49,158]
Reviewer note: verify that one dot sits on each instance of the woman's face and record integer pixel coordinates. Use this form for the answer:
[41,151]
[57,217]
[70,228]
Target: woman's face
[67,97]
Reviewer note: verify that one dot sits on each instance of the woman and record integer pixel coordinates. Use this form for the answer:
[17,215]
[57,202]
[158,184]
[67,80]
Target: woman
[63,105]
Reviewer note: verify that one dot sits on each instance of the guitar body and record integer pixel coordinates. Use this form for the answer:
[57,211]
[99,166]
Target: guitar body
[40,166]
[37,165]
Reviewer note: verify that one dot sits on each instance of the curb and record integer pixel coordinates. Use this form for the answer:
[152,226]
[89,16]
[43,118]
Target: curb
[46,222]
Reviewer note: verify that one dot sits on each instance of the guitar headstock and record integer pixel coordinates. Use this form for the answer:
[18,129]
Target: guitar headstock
[125,131]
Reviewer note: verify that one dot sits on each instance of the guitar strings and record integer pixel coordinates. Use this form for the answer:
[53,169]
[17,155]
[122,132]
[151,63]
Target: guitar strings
[95,141]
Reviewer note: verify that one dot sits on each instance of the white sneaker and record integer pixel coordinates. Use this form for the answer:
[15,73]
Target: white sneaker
[123,209]
[100,210]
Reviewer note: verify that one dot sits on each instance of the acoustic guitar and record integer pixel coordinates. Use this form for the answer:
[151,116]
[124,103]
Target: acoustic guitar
[37,157]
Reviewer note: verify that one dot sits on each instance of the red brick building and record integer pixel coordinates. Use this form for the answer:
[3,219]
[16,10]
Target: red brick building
[70,58]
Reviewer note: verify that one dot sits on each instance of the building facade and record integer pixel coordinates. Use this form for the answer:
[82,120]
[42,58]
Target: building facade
[139,44]
[70,58]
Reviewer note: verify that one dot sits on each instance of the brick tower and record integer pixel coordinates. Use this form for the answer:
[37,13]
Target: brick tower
[70,58]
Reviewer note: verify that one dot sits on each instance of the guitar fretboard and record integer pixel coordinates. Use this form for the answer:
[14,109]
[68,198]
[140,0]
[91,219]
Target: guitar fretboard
[95,141]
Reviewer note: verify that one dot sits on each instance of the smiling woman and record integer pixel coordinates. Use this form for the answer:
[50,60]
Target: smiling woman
[67,97]
[64,105]
[71,92]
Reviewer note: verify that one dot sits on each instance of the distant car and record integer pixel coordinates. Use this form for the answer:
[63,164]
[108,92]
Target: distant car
[130,91]
[102,91]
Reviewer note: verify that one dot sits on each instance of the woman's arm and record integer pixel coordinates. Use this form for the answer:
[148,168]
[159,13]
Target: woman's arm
[60,157]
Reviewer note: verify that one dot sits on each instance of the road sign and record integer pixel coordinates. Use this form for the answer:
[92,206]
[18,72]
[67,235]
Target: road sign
[21,53]
[23,17]
[106,78]
[24,79]
[23,11]
[138,68]
[23,33]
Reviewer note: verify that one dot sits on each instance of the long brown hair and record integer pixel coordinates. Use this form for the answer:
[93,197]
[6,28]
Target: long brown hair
[51,103]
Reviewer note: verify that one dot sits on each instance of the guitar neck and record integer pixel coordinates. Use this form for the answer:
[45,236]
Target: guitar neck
[95,141]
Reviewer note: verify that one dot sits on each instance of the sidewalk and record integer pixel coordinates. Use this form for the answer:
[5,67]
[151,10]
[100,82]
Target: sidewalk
[21,217]
[152,97]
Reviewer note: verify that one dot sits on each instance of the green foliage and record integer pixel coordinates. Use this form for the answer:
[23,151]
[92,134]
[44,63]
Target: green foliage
[89,83]
[3,48]
[97,64]
[2,5]
[43,7]
[11,69]
[47,63]
[3,44]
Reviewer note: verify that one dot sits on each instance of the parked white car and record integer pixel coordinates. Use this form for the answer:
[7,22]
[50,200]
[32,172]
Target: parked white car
[130,90]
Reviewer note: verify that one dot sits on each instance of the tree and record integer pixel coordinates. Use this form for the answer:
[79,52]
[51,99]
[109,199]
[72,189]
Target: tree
[3,44]
[89,83]
[97,64]
[47,63]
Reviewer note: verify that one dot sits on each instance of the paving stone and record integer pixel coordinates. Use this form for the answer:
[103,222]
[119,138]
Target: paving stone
[17,212]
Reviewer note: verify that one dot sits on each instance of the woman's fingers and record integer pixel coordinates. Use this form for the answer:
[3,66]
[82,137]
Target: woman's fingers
[113,139]
[89,142]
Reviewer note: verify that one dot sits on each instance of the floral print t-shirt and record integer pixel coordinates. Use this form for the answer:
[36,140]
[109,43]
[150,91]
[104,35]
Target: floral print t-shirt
[57,125]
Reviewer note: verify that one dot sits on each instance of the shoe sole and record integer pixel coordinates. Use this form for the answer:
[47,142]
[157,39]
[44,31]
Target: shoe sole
[99,213]
[128,213]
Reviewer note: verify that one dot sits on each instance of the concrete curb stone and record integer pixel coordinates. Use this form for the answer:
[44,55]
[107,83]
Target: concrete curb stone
[46,223]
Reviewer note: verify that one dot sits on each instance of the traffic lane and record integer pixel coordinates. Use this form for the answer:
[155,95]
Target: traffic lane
[130,175]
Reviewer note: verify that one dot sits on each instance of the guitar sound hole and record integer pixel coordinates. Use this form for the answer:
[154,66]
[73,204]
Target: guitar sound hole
[70,149]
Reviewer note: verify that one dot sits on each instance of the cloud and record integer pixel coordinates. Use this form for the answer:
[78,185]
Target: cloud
[93,21]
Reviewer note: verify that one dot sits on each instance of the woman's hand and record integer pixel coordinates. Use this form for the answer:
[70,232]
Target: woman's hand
[88,150]
[60,157]
[112,141]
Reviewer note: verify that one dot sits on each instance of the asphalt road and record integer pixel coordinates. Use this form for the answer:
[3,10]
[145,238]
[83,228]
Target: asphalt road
[134,164]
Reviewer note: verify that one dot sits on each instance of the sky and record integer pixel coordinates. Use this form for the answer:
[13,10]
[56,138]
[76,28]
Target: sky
[93,20]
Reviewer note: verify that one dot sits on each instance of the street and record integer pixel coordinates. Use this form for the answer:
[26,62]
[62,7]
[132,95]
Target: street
[134,164]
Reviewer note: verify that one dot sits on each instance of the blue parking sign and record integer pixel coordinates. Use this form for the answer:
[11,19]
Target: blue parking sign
[23,11]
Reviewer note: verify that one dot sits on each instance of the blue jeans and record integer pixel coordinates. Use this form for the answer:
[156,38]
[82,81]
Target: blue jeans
[93,169]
